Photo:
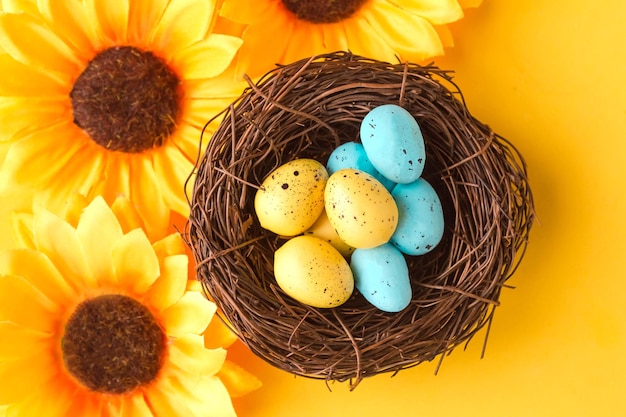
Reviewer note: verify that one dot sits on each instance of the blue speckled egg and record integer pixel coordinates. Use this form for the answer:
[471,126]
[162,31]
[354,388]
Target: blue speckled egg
[420,218]
[382,276]
[394,143]
[352,155]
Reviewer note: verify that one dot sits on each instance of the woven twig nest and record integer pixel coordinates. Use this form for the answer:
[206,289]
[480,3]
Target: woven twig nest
[306,109]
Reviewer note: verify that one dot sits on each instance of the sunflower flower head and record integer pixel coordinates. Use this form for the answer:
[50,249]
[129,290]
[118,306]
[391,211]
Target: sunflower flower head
[111,100]
[283,31]
[99,321]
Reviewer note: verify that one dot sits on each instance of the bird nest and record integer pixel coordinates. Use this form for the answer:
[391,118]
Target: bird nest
[305,110]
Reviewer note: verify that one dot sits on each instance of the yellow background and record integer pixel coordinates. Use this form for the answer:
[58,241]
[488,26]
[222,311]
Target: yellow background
[550,76]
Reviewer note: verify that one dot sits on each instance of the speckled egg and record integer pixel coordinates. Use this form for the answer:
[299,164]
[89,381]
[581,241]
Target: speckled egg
[311,271]
[325,231]
[291,198]
[352,155]
[382,276]
[360,208]
[421,222]
[394,143]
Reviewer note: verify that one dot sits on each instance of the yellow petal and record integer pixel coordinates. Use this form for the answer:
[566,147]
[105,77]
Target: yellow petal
[29,40]
[126,214]
[133,405]
[209,398]
[24,80]
[50,148]
[271,37]
[42,401]
[143,18]
[170,245]
[237,380]
[413,37]
[246,11]
[173,168]
[189,355]
[334,37]
[20,376]
[444,35]
[191,314]
[23,229]
[22,115]
[147,196]
[40,272]
[19,6]
[218,334]
[111,20]
[308,34]
[171,284]
[98,231]
[79,175]
[436,11]
[470,3]
[58,241]
[183,23]
[364,40]
[206,58]
[73,24]
[85,403]
[19,341]
[21,303]
[118,176]
[135,263]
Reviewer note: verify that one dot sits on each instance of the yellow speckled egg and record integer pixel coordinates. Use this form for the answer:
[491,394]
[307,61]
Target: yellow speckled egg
[291,198]
[325,231]
[313,272]
[360,208]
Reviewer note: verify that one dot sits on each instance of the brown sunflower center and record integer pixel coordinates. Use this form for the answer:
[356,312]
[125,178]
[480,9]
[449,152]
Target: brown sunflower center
[113,344]
[126,99]
[323,11]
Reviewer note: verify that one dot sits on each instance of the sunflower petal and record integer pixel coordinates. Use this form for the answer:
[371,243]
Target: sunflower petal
[19,6]
[364,40]
[245,11]
[58,240]
[23,230]
[172,35]
[24,115]
[42,401]
[23,304]
[147,196]
[20,376]
[27,39]
[173,168]
[412,36]
[170,245]
[237,380]
[206,58]
[218,334]
[70,20]
[249,60]
[307,34]
[35,159]
[85,404]
[19,341]
[435,11]
[209,398]
[112,21]
[135,263]
[39,271]
[98,231]
[26,81]
[144,15]
[132,406]
[189,354]
[191,314]
[170,286]
[126,214]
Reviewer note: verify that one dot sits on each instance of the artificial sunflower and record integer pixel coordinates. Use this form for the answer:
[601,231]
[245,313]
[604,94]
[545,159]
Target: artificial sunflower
[283,31]
[110,98]
[98,322]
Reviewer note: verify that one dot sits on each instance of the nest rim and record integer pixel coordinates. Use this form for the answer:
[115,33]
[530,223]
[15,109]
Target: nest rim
[306,109]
